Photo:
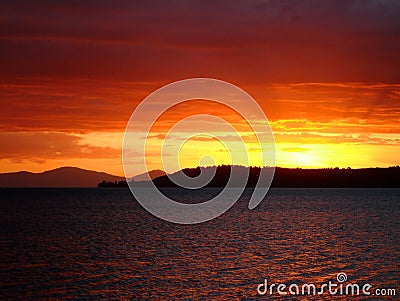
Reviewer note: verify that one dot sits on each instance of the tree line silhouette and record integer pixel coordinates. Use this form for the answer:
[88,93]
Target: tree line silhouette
[112,184]
[294,177]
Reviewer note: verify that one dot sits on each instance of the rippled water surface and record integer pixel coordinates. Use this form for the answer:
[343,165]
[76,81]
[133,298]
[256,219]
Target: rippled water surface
[100,244]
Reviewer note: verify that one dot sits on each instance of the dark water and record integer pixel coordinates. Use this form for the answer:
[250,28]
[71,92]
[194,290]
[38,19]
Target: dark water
[100,244]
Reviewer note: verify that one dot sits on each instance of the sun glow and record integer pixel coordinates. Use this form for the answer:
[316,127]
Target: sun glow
[303,159]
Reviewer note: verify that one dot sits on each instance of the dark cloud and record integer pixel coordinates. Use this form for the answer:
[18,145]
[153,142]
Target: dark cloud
[167,40]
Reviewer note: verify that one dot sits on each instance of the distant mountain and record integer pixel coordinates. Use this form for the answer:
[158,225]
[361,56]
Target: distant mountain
[59,177]
[145,176]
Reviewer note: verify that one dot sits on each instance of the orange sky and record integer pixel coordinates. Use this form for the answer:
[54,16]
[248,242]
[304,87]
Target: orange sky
[325,73]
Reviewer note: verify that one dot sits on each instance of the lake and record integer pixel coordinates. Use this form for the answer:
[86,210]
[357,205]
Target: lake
[101,244]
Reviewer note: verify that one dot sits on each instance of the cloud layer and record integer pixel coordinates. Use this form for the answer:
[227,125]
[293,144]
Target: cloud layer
[323,71]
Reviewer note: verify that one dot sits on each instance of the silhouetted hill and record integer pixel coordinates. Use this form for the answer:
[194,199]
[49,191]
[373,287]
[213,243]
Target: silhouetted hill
[318,178]
[60,177]
[152,174]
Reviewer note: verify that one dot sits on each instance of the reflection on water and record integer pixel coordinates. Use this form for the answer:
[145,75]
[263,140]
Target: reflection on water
[99,243]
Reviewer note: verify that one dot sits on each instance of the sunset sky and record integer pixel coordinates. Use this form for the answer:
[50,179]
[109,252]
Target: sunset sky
[326,74]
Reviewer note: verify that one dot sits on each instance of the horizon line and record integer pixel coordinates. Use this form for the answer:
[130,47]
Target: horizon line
[209,166]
